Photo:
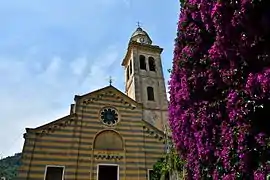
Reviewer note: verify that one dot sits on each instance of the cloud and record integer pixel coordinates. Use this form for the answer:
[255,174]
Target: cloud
[97,73]
[34,94]
[78,66]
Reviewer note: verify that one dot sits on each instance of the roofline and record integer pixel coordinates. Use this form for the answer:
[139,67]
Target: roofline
[52,122]
[132,44]
[77,97]
[140,35]
[153,127]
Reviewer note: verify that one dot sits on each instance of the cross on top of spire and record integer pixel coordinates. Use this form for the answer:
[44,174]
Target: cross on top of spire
[138,24]
[110,80]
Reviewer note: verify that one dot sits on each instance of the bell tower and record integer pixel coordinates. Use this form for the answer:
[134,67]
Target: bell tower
[144,79]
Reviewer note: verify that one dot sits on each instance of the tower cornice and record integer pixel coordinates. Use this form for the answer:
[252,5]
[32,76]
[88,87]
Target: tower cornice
[134,44]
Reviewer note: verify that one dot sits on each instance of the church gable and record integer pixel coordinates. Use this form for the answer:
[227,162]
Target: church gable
[109,91]
[111,129]
[96,109]
[107,108]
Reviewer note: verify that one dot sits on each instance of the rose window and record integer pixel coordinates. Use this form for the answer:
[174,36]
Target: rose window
[109,116]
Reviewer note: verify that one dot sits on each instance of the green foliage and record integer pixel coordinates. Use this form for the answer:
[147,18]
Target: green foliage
[182,2]
[9,166]
[158,168]
[169,164]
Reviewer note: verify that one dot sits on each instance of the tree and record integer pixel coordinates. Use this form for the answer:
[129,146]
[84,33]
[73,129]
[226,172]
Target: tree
[9,166]
[158,169]
[171,166]
[220,89]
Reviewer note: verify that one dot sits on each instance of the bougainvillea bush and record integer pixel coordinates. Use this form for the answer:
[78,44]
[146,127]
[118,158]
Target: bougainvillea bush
[220,89]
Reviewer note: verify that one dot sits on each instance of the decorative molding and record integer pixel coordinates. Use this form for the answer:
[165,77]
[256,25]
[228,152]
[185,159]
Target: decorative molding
[52,128]
[153,134]
[112,94]
[107,155]
[93,99]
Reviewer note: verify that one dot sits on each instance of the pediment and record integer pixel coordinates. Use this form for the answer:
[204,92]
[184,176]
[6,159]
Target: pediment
[107,91]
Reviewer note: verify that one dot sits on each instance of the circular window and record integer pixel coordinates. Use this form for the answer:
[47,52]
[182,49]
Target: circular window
[109,116]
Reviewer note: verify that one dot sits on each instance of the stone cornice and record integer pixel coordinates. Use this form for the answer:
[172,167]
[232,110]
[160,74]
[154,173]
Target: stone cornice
[134,44]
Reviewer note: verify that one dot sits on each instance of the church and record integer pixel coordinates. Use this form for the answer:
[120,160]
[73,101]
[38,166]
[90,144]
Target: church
[108,134]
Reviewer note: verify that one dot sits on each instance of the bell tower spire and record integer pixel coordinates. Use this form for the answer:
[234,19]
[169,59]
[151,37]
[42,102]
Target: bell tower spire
[144,77]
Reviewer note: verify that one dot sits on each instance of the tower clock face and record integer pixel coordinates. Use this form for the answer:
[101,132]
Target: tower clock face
[141,40]
[109,116]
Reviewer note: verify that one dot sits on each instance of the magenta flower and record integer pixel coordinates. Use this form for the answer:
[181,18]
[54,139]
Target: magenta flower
[219,108]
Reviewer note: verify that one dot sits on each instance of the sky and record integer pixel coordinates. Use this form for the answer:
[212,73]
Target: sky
[51,51]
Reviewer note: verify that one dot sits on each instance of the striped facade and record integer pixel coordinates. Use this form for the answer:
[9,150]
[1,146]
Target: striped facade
[74,141]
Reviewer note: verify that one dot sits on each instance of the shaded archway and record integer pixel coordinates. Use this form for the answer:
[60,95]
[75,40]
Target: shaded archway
[142,62]
[151,63]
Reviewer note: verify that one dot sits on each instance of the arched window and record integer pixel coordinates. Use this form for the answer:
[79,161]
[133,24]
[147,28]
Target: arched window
[151,62]
[150,94]
[127,73]
[130,66]
[142,62]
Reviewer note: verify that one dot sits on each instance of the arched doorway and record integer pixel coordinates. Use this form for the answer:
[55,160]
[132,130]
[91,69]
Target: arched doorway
[108,142]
